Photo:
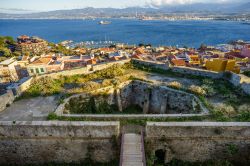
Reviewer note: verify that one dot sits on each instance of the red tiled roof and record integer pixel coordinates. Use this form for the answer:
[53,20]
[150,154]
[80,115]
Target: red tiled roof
[178,62]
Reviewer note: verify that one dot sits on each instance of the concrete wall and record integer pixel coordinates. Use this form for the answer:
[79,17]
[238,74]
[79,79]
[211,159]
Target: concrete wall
[5,99]
[57,141]
[200,141]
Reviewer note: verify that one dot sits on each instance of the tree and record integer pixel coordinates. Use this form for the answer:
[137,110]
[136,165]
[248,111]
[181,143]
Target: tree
[5,52]
[91,106]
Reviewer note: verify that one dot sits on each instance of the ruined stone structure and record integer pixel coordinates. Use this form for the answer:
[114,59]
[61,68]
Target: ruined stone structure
[199,141]
[153,99]
[60,142]
[66,142]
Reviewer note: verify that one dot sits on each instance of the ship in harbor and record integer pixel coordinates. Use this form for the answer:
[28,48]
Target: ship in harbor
[104,22]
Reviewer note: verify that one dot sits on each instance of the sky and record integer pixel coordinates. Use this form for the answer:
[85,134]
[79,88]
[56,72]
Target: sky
[47,5]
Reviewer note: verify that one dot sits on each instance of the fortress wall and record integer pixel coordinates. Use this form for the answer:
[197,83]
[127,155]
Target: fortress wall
[154,64]
[197,72]
[5,99]
[200,141]
[57,141]
[240,80]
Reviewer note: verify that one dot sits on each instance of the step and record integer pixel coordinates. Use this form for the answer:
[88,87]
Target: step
[134,158]
[130,163]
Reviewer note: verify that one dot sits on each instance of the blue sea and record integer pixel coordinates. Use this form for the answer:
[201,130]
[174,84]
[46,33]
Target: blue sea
[174,33]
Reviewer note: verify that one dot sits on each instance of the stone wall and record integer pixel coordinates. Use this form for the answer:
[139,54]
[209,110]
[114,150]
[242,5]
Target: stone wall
[241,81]
[197,72]
[82,70]
[6,99]
[57,141]
[236,79]
[200,141]
[85,70]
[102,66]
[154,64]
[153,99]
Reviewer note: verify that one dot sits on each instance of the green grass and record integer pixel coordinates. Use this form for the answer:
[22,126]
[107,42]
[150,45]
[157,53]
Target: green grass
[83,163]
[126,121]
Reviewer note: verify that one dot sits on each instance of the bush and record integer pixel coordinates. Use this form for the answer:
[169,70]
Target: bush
[44,86]
[175,85]
[197,90]
[223,112]
[244,108]
[208,86]
[246,73]
[52,116]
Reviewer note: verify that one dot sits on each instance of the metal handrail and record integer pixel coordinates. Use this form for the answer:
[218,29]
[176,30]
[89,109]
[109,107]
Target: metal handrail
[121,151]
[143,149]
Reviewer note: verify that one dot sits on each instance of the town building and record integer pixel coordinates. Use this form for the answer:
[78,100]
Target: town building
[9,71]
[245,52]
[31,45]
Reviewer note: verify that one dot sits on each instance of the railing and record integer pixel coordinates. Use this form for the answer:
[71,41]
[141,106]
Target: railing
[143,149]
[121,151]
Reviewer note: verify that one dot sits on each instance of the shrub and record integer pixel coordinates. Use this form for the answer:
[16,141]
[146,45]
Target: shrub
[175,85]
[44,86]
[246,73]
[223,111]
[52,116]
[208,86]
[244,108]
[197,90]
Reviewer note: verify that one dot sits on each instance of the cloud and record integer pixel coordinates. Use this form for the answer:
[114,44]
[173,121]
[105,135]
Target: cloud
[170,2]
[182,2]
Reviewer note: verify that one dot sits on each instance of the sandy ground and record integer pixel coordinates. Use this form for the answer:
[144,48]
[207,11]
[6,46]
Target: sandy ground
[29,109]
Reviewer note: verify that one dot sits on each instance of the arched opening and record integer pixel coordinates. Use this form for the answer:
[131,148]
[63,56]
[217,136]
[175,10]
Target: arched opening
[160,156]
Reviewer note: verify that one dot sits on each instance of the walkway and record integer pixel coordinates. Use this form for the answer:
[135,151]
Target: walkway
[36,108]
[132,150]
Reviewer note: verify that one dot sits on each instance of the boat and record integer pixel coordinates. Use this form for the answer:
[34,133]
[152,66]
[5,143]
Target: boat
[104,22]
[246,23]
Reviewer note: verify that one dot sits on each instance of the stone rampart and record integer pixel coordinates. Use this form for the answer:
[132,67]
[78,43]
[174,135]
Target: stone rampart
[57,141]
[153,99]
[197,72]
[153,64]
[200,141]
[241,81]
[6,99]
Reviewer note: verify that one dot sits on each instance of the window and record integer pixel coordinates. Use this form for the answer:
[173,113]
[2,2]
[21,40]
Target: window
[37,70]
[32,70]
[42,70]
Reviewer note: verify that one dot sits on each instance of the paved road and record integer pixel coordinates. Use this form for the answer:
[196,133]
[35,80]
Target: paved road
[29,109]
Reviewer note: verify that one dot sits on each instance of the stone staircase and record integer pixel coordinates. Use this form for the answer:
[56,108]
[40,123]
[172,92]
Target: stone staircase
[132,150]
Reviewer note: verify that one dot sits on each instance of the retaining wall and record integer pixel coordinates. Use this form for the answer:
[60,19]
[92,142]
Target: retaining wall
[85,70]
[154,64]
[200,141]
[6,99]
[197,72]
[241,81]
[153,99]
[57,141]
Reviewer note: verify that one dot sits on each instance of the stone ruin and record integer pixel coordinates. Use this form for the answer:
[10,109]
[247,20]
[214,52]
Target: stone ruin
[152,99]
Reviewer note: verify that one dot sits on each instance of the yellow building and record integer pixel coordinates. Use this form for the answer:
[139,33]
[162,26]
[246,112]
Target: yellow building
[221,65]
[194,60]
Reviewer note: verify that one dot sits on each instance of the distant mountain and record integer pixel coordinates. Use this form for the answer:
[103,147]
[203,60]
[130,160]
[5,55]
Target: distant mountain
[242,8]
[211,8]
